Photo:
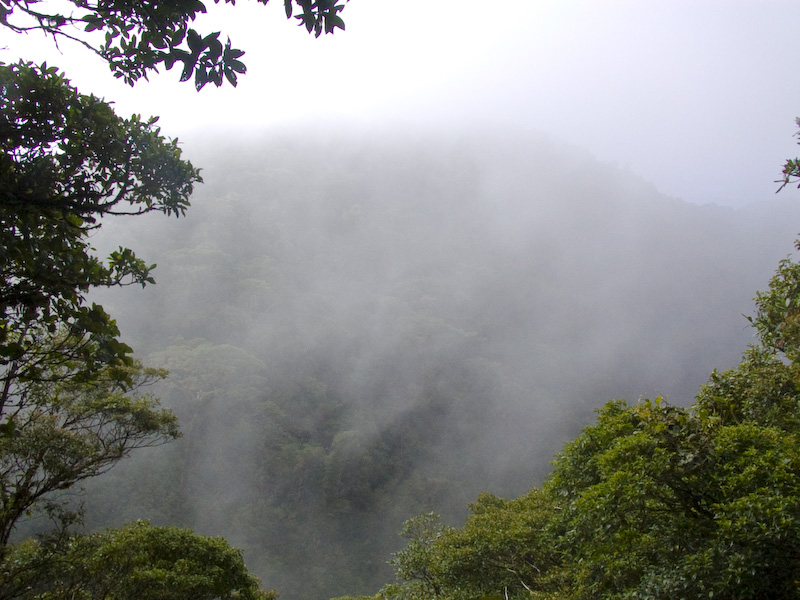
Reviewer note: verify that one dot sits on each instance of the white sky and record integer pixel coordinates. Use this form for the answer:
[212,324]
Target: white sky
[697,96]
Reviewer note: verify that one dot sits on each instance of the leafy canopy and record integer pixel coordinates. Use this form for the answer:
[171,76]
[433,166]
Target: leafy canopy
[136,38]
[66,162]
[652,501]
[135,562]
[70,401]
[57,432]
[791,168]
[68,407]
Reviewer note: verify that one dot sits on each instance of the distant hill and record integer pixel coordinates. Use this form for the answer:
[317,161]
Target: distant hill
[360,330]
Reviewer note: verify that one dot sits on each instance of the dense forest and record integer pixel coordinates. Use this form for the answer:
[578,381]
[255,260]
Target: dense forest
[550,379]
[360,331]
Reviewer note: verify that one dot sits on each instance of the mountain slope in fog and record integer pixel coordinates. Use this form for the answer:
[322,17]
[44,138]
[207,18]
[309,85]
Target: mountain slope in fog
[361,331]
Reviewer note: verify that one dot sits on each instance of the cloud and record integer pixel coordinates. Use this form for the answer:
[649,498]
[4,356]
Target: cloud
[691,95]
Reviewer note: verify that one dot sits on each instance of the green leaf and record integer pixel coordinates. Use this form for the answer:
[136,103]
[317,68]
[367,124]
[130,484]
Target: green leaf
[230,75]
[195,42]
[237,66]
[333,21]
[214,46]
[188,69]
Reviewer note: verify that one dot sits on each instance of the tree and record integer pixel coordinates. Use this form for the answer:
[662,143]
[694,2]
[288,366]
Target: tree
[68,161]
[136,562]
[651,501]
[504,550]
[141,36]
[791,169]
[69,401]
[55,434]
[663,502]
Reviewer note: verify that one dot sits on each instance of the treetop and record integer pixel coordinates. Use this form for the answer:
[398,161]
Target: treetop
[139,37]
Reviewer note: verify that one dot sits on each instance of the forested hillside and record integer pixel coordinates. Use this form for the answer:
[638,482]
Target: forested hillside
[359,331]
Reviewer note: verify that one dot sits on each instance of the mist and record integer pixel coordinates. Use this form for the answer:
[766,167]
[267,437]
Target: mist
[429,247]
[693,95]
[362,326]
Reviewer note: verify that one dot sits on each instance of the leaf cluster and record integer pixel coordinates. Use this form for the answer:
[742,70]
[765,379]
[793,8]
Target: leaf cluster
[652,501]
[791,169]
[55,432]
[136,38]
[503,550]
[69,409]
[66,162]
[136,562]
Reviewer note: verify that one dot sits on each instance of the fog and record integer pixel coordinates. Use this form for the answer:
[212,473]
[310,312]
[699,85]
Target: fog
[696,96]
[429,247]
[361,328]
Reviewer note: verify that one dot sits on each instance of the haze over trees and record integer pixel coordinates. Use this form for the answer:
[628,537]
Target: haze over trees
[70,406]
[358,332]
[651,501]
[412,322]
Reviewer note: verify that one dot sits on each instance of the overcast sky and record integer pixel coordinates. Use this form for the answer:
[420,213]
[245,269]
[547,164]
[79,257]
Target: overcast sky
[697,96]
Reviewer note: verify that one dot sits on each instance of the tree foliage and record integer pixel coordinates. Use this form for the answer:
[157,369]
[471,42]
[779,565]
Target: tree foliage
[663,502]
[791,169]
[136,38]
[652,501]
[67,162]
[135,562]
[56,433]
[69,401]
[504,549]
